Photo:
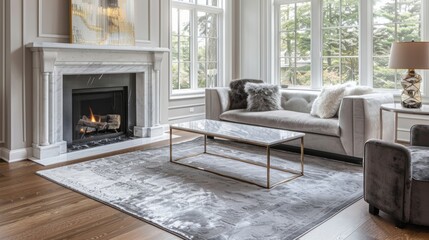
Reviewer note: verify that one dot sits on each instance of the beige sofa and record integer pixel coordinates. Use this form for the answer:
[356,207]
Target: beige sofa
[358,119]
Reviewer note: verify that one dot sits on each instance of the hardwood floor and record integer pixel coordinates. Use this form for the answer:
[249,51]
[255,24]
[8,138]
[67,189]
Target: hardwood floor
[34,208]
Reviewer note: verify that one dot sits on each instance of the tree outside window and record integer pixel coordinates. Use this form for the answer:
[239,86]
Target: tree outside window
[195,44]
[340,36]
[341,42]
[393,20]
[295,44]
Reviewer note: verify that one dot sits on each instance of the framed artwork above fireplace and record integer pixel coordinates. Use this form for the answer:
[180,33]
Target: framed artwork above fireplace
[102,22]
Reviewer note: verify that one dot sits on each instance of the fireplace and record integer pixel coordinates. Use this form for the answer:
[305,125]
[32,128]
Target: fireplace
[98,109]
[59,72]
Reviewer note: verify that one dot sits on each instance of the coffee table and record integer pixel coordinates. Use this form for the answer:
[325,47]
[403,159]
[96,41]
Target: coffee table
[248,134]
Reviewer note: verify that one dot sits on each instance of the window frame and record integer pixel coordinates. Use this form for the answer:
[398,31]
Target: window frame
[193,7]
[365,43]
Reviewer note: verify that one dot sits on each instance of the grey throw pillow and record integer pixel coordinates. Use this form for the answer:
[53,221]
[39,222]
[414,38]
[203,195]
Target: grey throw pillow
[263,97]
[238,96]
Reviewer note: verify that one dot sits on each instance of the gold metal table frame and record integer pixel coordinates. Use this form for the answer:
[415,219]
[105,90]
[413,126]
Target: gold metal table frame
[268,166]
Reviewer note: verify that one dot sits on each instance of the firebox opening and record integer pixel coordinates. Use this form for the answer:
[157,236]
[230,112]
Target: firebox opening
[98,110]
[99,113]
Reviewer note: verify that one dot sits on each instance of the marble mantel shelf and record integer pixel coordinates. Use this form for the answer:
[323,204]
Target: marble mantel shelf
[50,45]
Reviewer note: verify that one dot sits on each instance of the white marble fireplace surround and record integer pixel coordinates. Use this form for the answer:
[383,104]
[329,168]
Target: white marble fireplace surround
[51,61]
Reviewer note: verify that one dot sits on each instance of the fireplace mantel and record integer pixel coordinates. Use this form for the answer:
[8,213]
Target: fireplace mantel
[51,45]
[53,60]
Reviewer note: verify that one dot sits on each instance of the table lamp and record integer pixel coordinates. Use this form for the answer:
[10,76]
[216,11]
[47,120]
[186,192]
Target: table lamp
[411,56]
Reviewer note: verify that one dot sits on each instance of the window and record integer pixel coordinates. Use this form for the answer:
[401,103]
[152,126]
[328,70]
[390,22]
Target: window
[195,44]
[295,43]
[393,20]
[349,40]
[340,37]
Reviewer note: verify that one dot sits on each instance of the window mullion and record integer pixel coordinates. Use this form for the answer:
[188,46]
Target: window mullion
[277,41]
[396,38]
[340,44]
[179,36]
[294,46]
[316,44]
[425,37]
[194,45]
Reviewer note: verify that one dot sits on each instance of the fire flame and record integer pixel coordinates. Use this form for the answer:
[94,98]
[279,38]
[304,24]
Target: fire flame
[92,117]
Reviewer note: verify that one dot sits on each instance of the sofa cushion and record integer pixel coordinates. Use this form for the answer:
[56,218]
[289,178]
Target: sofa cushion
[298,101]
[237,95]
[420,162]
[284,119]
[262,97]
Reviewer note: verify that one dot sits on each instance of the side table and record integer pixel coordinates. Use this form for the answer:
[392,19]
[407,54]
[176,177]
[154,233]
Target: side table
[397,108]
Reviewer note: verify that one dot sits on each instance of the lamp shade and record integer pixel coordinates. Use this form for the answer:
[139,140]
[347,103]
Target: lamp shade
[409,55]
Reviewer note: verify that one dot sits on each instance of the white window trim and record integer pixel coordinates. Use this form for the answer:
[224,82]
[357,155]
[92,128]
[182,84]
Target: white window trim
[193,7]
[316,37]
[365,44]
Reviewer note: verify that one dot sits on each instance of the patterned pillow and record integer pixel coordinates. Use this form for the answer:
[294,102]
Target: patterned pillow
[238,96]
[263,97]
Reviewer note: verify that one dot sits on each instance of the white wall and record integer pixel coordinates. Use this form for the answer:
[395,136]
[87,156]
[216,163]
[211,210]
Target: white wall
[250,40]
[26,21]
[253,45]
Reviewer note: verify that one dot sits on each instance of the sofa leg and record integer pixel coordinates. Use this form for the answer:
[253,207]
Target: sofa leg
[399,223]
[373,210]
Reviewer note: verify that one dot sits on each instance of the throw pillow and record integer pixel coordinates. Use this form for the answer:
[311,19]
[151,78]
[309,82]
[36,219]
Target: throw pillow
[262,97]
[326,105]
[238,96]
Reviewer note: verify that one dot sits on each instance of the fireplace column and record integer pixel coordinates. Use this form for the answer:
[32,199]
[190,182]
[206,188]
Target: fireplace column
[45,142]
[148,95]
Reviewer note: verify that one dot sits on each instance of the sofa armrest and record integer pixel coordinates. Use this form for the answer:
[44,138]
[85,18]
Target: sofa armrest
[359,118]
[217,102]
[420,135]
[387,178]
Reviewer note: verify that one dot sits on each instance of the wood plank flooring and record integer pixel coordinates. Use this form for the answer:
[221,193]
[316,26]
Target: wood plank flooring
[34,208]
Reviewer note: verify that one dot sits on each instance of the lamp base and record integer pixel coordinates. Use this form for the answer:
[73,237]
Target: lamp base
[411,96]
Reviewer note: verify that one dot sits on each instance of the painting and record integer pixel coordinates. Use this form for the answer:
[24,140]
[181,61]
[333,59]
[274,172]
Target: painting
[102,22]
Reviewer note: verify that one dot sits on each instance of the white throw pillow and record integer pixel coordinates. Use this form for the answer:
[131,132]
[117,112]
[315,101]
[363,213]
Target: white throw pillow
[326,105]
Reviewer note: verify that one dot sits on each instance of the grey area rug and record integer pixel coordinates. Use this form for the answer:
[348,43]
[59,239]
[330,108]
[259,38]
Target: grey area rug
[194,204]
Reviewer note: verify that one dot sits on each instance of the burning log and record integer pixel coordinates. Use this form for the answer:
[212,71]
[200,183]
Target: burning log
[113,121]
[98,123]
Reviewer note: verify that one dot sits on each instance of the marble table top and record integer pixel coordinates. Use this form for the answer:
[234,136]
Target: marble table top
[397,107]
[240,132]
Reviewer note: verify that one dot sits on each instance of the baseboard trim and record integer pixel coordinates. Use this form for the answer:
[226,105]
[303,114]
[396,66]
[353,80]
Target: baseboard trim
[15,155]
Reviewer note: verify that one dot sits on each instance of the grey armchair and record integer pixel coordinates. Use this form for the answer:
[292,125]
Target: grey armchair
[396,178]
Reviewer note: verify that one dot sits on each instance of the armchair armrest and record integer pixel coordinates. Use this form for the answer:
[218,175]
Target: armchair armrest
[217,102]
[420,135]
[359,119]
[387,178]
